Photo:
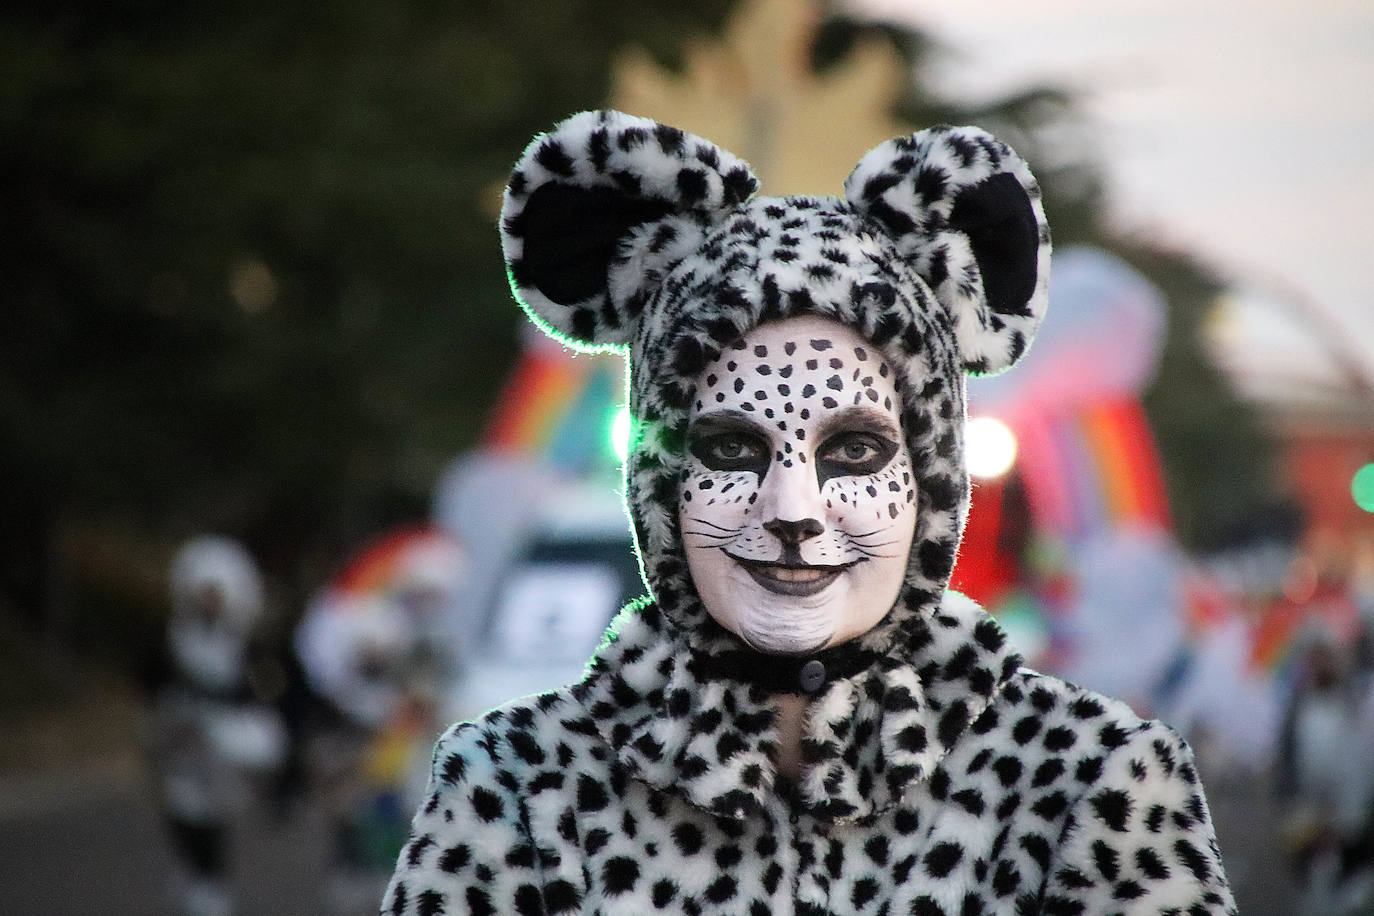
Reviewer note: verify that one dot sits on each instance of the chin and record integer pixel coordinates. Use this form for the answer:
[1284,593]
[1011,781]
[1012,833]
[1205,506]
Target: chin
[771,643]
[787,626]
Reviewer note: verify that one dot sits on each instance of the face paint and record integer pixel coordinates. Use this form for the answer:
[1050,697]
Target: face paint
[798,504]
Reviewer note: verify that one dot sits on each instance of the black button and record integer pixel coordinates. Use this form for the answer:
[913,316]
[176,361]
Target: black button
[812,676]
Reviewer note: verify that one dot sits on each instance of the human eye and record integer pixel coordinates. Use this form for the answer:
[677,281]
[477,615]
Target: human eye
[729,448]
[858,451]
[855,454]
[730,451]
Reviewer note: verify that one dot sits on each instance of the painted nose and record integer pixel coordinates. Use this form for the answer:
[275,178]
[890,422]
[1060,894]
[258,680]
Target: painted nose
[792,505]
[794,532]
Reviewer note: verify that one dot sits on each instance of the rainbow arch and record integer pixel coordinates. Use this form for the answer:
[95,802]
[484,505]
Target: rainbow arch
[1092,469]
[558,407]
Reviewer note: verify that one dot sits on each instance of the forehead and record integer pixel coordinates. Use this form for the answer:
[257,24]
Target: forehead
[807,360]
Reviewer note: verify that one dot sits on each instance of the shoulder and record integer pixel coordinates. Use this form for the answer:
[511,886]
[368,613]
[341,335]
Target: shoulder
[500,750]
[1104,734]
[1112,722]
[1139,825]
[470,842]
[1057,698]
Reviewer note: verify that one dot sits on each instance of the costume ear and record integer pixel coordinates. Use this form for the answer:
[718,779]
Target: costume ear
[596,211]
[966,211]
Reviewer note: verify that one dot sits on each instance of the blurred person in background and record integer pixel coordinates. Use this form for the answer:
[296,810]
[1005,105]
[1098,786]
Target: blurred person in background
[801,718]
[213,734]
[1362,594]
[1325,774]
[371,647]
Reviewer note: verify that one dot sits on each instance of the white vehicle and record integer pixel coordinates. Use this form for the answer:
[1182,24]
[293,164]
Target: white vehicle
[575,568]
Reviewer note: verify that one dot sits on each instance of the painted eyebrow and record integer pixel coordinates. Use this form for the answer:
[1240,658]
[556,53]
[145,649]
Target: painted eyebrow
[726,421]
[861,419]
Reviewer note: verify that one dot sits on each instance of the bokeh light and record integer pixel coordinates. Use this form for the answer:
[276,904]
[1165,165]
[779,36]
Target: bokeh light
[252,285]
[620,434]
[991,447]
[1362,487]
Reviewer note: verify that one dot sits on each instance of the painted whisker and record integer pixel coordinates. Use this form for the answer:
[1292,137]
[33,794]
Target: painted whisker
[709,534]
[702,521]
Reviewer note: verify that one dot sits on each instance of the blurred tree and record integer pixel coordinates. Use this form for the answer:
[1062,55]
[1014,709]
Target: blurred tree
[250,274]
[1220,462]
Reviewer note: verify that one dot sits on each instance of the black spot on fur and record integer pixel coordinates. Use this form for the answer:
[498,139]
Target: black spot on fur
[1113,808]
[619,875]
[553,157]
[487,805]
[692,186]
[942,859]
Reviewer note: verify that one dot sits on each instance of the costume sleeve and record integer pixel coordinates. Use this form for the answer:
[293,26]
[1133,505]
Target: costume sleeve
[469,849]
[1140,839]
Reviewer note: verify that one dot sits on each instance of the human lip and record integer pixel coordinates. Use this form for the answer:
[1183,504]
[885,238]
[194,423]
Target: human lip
[792,581]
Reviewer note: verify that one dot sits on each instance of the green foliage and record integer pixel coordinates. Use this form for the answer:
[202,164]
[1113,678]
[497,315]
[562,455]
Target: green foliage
[251,274]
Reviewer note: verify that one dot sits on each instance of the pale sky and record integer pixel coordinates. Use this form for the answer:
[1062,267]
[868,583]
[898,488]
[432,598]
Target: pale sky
[1242,130]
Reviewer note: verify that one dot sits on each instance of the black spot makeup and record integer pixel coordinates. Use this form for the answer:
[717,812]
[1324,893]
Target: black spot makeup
[794,532]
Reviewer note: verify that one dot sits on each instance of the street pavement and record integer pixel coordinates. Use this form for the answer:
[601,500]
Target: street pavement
[90,842]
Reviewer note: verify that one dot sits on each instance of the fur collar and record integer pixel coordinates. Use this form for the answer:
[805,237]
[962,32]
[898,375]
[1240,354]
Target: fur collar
[869,738]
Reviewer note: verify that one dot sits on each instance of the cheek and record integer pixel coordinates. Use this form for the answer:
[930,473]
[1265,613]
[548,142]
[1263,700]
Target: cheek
[884,499]
[719,496]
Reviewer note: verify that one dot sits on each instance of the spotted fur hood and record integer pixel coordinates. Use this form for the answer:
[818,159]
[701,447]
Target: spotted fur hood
[623,233]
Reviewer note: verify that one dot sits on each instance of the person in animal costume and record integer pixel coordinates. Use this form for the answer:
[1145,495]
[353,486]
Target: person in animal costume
[213,733]
[800,717]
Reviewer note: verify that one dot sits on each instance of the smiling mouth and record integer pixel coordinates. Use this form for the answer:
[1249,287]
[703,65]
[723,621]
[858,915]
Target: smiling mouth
[793,581]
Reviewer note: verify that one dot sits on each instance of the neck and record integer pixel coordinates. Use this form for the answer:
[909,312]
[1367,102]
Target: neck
[792,710]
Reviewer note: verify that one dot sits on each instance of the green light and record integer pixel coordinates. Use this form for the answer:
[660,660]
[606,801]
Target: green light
[1362,488]
[620,434]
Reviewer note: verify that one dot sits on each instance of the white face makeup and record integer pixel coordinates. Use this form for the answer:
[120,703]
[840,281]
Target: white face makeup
[798,507]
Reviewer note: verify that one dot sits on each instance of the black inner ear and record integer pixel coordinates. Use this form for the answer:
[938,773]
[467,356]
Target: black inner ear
[997,217]
[570,235]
